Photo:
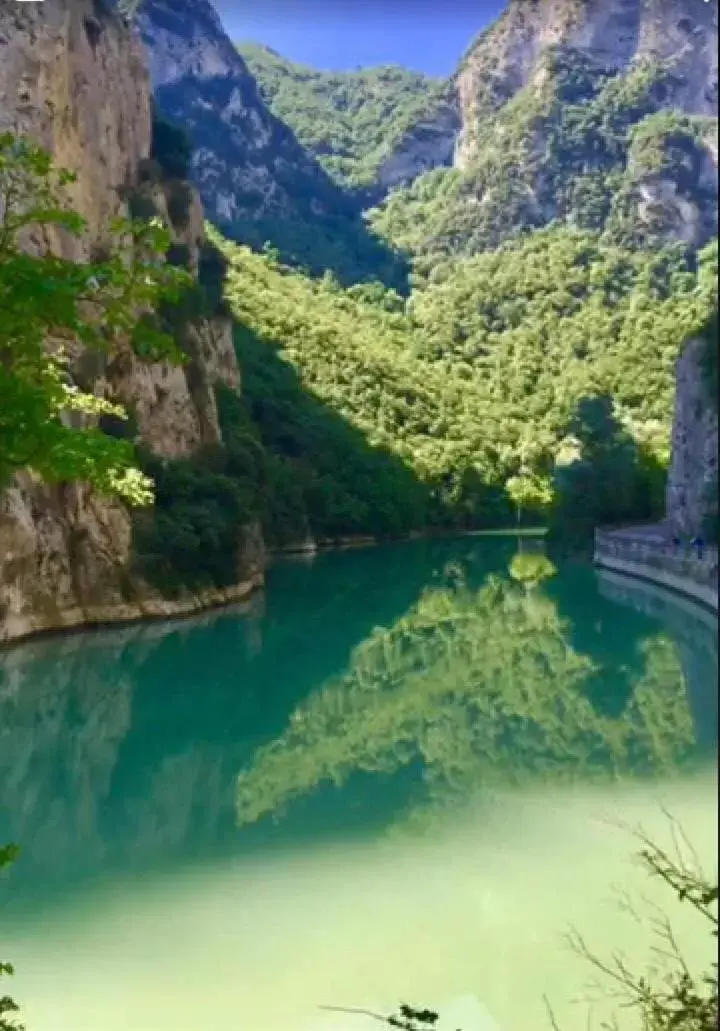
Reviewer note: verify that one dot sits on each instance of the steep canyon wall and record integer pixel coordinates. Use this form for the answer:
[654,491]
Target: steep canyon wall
[74,76]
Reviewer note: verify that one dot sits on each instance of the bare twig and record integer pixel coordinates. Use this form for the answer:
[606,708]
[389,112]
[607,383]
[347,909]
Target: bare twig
[358,1012]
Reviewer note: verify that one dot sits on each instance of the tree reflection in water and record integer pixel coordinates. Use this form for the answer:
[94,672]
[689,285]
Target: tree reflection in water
[483,688]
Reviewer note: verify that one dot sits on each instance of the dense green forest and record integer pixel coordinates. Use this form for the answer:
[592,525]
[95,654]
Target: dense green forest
[525,378]
[350,121]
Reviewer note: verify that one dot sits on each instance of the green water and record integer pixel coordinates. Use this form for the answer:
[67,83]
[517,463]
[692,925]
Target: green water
[399,774]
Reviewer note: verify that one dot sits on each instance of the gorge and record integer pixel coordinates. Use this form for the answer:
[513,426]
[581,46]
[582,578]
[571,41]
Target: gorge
[408,313]
[389,395]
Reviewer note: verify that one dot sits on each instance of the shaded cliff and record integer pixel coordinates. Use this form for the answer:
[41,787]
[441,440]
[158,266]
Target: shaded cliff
[257,182]
[692,490]
[74,76]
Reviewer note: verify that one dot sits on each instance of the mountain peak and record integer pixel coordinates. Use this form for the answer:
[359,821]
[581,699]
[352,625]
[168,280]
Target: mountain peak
[611,34]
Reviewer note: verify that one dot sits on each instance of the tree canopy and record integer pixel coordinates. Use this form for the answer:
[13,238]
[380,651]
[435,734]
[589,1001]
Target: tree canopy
[350,121]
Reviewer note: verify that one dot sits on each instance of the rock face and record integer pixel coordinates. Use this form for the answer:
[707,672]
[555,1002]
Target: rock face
[610,34]
[76,80]
[600,114]
[74,76]
[694,466]
[430,144]
[202,83]
[255,179]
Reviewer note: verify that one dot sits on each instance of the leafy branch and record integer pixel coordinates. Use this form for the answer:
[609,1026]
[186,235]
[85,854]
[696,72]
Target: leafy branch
[8,1006]
[54,308]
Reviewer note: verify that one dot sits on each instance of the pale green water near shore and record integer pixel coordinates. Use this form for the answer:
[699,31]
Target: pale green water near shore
[422,812]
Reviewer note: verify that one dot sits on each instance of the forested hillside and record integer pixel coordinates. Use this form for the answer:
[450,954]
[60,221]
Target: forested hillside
[578,145]
[528,378]
[352,122]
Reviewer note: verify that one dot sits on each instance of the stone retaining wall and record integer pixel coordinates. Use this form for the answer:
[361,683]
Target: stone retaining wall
[683,569]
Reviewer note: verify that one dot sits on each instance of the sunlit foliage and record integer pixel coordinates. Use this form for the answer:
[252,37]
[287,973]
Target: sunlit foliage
[350,121]
[52,306]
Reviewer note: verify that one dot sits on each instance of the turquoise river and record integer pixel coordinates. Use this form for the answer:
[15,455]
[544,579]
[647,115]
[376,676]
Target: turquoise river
[401,773]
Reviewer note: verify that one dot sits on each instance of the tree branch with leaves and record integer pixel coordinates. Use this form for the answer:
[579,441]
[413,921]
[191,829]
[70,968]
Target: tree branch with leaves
[8,1007]
[52,308]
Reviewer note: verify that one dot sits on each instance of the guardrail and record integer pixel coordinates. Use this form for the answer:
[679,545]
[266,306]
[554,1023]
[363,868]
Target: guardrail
[696,563]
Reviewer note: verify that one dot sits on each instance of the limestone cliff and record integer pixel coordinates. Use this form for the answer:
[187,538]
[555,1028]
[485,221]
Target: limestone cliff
[74,76]
[600,114]
[613,35]
[256,181]
[693,475]
[609,41]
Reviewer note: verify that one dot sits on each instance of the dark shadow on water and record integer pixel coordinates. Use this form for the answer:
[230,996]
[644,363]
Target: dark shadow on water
[593,630]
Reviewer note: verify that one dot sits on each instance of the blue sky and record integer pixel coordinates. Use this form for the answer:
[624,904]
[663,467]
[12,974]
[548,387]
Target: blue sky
[427,35]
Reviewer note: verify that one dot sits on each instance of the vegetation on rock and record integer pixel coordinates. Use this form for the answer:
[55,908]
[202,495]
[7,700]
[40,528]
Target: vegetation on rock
[516,381]
[350,121]
[50,305]
[575,146]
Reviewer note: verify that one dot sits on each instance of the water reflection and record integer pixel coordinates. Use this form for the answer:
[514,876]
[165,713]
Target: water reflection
[483,689]
[427,738]
[487,668]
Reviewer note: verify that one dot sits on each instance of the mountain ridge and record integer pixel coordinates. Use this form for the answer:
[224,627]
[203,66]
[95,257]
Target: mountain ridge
[256,181]
[372,129]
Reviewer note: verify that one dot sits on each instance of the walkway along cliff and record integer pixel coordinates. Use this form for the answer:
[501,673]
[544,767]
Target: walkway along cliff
[74,75]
